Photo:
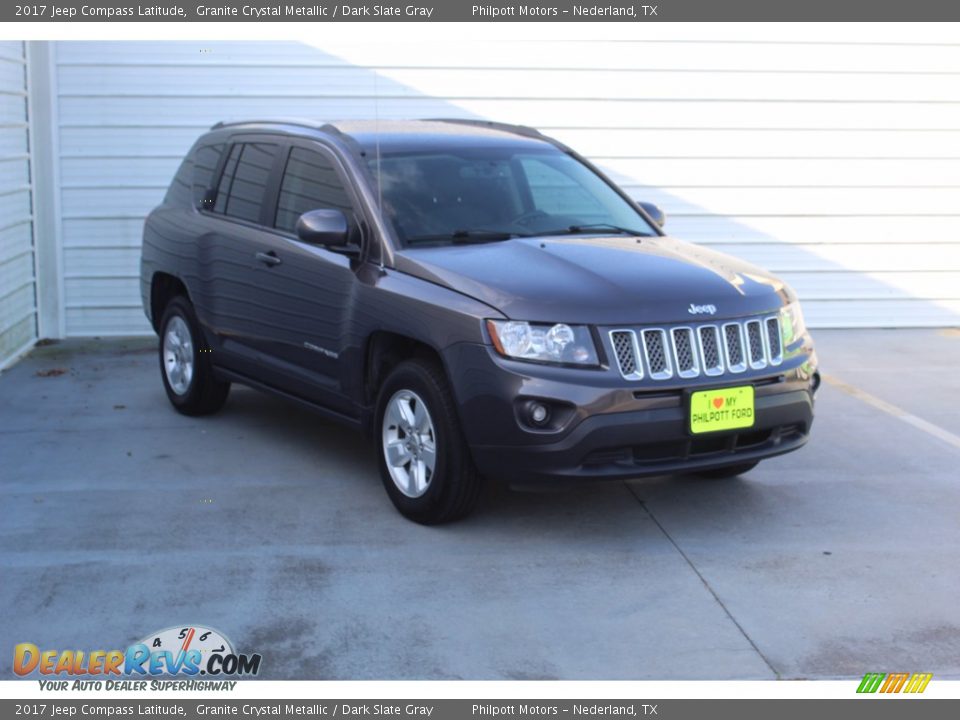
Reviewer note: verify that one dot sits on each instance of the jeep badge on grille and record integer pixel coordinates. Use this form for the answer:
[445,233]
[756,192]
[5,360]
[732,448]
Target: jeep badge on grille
[702,309]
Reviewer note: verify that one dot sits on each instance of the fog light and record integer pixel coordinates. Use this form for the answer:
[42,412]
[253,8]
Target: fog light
[539,413]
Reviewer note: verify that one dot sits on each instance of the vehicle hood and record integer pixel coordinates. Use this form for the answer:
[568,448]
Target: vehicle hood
[599,280]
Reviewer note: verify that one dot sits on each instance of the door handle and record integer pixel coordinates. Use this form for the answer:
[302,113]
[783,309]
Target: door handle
[268,258]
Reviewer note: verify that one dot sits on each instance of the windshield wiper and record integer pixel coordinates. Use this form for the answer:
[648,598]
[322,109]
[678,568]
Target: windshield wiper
[593,227]
[464,237]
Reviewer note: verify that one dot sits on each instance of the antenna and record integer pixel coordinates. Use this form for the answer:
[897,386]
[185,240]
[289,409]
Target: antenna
[376,130]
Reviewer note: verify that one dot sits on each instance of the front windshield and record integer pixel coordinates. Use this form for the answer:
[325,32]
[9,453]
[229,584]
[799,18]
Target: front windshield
[480,194]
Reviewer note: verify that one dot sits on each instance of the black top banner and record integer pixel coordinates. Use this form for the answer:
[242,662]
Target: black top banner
[485,11]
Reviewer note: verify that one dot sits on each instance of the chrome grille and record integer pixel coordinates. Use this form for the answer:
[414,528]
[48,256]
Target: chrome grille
[628,356]
[658,361]
[710,350]
[733,346]
[755,348]
[774,347]
[684,352]
[689,352]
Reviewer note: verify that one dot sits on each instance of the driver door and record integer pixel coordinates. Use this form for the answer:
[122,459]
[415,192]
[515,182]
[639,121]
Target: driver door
[306,289]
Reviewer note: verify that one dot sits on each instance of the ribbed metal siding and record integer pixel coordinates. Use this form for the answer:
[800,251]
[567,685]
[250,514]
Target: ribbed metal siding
[827,161]
[18,306]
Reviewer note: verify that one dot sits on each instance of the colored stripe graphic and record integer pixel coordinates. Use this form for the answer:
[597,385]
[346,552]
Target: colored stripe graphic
[894,682]
[871,682]
[918,682]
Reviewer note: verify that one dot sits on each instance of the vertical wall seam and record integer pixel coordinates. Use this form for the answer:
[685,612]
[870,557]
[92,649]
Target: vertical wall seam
[33,209]
[44,144]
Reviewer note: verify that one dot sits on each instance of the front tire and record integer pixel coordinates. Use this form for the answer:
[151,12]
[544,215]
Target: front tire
[185,365]
[425,463]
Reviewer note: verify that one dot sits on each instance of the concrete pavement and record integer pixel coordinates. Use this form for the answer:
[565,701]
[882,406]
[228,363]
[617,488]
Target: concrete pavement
[119,517]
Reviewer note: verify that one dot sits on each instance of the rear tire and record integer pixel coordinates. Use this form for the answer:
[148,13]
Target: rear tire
[185,366]
[729,471]
[425,463]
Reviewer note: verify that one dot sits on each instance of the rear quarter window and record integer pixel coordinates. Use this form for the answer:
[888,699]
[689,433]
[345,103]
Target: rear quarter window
[194,177]
[205,162]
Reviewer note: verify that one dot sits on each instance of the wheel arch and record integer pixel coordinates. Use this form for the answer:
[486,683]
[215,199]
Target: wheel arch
[383,351]
[163,288]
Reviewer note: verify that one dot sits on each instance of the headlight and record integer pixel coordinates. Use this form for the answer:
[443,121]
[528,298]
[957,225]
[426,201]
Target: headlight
[791,322]
[543,342]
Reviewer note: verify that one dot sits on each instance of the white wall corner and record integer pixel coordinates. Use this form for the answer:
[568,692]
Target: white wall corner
[42,113]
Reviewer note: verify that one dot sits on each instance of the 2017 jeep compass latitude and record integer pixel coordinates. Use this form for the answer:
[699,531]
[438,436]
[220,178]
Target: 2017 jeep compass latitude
[478,298]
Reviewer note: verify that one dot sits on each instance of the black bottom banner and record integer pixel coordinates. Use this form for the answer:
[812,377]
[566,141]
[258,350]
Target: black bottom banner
[874,708]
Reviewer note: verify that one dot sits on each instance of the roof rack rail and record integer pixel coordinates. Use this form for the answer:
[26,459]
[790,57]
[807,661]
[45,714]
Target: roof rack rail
[300,122]
[333,130]
[524,130]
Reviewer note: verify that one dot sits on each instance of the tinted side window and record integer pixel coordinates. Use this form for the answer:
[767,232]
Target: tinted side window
[223,190]
[244,180]
[204,163]
[310,182]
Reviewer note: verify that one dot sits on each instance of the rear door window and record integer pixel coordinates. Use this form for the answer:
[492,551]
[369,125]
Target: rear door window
[226,180]
[244,181]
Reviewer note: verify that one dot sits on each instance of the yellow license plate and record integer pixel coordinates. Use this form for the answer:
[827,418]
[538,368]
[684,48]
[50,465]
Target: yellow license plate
[726,409]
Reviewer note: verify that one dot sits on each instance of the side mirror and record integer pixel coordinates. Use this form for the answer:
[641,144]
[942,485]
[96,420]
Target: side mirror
[326,227]
[658,216]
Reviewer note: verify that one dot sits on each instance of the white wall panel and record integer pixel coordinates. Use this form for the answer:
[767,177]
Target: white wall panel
[643,50]
[451,83]
[833,159]
[192,111]
[18,305]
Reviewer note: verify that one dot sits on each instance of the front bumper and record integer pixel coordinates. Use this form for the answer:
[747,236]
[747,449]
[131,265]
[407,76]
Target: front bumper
[652,442]
[612,431]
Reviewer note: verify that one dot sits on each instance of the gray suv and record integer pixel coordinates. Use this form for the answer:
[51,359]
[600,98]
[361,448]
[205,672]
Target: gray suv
[477,298]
